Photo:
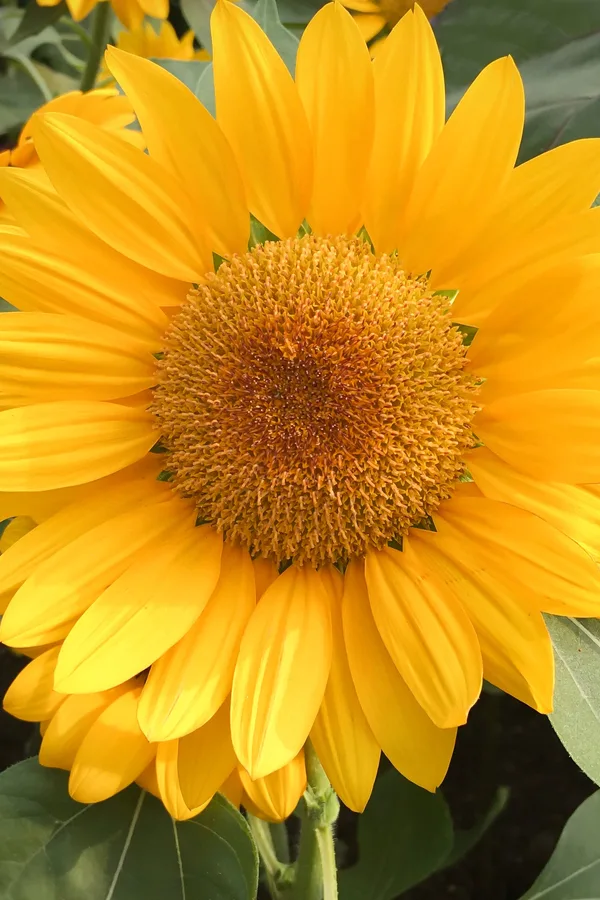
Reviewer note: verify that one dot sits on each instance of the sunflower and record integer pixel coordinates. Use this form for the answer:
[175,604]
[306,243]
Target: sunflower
[145,41]
[312,486]
[373,16]
[105,108]
[130,12]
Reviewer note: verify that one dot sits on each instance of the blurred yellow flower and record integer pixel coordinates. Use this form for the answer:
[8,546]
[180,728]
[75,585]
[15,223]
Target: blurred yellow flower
[372,16]
[130,12]
[105,108]
[145,41]
[319,490]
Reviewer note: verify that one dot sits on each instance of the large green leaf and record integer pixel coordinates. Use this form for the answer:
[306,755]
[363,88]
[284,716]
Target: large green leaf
[19,97]
[557,47]
[197,13]
[52,848]
[266,14]
[573,872]
[404,835]
[576,716]
[36,18]
[188,71]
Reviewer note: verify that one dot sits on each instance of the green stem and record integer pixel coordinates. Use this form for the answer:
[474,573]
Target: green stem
[275,871]
[316,871]
[279,836]
[99,39]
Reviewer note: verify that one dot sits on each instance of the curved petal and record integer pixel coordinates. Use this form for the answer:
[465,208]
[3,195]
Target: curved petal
[143,613]
[192,769]
[58,357]
[335,83]
[522,552]
[341,735]
[276,795]
[466,169]
[68,521]
[483,286]
[550,434]
[283,665]
[68,442]
[265,573]
[129,200]
[31,695]
[113,753]
[563,181]
[66,584]
[409,115]
[259,111]
[515,644]
[414,745]
[571,508]
[129,13]
[427,634]
[185,139]
[188,684]
[70,723]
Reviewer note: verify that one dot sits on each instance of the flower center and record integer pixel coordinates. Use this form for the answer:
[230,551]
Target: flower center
[313,400]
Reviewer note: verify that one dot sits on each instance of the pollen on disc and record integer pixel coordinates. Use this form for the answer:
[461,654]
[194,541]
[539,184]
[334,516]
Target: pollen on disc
[313,400]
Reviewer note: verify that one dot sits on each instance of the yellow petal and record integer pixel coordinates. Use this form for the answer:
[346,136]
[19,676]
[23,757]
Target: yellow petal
[113,753]
[16,529]
[129,200]
[54,445]
[563,181]
[129,12]
[518,548]
[259,111]
[66,584]
[188,684]
[232,789]
[192,769]
[142,613]
[409,115]
[370,24]
[466,169]
[515,644]
[549,434]
[265,573]
[335,83]
[100,283]
[63,525]
[283,665]
[70,723]
[31,695]
[406,734]
[427,634]
[79,9]
[511,263]
[277,795]
[341,734]
[571,508]
[58,357]
[185,139]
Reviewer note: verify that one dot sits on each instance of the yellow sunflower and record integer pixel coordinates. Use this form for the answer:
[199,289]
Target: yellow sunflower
[130,12]
[318,488]
[105,108]
[144,41]
[372,16]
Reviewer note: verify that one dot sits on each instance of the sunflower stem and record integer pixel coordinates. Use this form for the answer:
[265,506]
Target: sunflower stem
[99,38]
[278,873]
[316,870]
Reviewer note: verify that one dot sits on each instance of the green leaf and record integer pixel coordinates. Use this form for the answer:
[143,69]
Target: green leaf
[197,13]
[19,97]
[404,835]
[267,15]
[52,848]
[189,71]
[573,872]
[576,716]
[468,838]
[5,306]
[205,90]
[36,18]
[557,48]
